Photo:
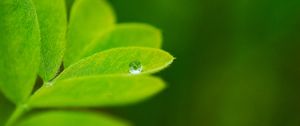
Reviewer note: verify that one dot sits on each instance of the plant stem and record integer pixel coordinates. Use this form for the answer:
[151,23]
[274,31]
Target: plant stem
[19,111]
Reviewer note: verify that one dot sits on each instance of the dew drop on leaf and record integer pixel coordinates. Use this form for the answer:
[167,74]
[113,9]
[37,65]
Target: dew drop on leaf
[135,67]
[48,84]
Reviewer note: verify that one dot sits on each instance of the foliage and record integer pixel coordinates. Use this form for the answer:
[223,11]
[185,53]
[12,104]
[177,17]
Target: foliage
[37,39]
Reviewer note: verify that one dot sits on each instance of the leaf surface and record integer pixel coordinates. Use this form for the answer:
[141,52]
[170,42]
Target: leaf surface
[95,91]
[69,118]
[127,34]
[116,62]
[19,48]
[53,22]
[88,20]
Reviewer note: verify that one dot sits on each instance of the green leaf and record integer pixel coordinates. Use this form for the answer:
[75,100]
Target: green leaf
[95,91]
[53,21]
[19,48]
[127,34]
[88,20]
[116,61]
[69,118]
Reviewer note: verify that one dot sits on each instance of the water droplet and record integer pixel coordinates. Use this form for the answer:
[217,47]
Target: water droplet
[135,67]
[48,84]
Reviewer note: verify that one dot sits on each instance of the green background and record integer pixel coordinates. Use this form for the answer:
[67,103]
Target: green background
[238,62]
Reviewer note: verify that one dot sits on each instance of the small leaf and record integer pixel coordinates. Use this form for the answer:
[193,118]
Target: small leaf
[19,48]
[97,91]
[127,34]
[117,61]
[52,20]
[69,118]
[88,20]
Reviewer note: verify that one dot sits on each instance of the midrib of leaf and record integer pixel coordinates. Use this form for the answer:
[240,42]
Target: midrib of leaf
[101,63]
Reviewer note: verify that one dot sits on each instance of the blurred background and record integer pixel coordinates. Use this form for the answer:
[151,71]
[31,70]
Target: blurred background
[238,62]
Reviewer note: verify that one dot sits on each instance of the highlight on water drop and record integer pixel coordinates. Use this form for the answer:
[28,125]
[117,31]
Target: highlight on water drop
[135,67]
